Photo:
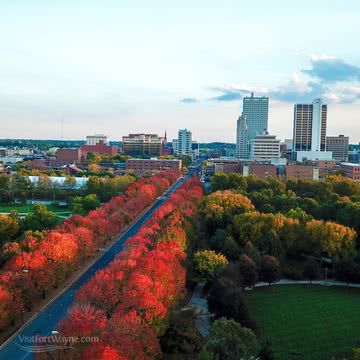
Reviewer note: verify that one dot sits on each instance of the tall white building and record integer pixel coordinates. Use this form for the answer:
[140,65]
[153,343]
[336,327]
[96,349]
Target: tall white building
[310,131]
[95,139]
[252,122]
[183,142]
[242,149]
[265,147]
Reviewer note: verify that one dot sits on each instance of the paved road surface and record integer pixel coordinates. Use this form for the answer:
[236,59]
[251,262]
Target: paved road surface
[46,320]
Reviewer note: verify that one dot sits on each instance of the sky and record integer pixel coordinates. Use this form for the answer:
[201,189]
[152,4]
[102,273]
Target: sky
[117,67]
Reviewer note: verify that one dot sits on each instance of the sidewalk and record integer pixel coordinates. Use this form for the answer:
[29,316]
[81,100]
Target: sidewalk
[307,282]
[202,321]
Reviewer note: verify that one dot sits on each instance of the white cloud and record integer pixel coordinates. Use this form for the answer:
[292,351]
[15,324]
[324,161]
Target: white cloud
[322,57]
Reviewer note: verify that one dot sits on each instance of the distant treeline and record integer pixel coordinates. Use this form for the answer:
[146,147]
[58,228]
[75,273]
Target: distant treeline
[46,144]
[217,145]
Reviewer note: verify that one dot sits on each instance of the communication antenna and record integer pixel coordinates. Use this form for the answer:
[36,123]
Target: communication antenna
[62,128]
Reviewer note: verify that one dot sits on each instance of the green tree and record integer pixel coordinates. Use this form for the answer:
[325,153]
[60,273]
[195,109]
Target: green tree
[226,299]
[83,204]
[230,248]
[269,269]
[336,240]
[356,354]
[9,227]
[299,214]
[219,181]
[222,181]
[22,186]
[248,270]
[208,263]
[6,194]
[90,157]
[228,340]
[181,339]
[347,271]
[41,218]
[186,160]
[106,187]
[220,207]
[266,352]
[312,270]
[69,182]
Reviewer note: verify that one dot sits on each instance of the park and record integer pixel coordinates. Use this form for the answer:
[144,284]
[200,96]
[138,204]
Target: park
[307,321]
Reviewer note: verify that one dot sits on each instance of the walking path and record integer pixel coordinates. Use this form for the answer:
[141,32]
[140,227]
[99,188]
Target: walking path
[307,282]
[202,321]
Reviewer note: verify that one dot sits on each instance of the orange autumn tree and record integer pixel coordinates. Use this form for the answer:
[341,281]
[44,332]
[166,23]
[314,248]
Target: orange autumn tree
[142,285]
[43,260]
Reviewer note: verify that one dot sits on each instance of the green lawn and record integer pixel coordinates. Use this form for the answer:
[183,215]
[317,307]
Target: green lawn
[315,321]
[61,212]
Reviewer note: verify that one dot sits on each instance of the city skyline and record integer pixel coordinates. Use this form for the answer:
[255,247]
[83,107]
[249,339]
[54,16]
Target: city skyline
[139,67]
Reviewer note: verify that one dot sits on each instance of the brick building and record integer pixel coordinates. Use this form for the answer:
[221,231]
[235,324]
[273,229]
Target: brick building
[351,171]
[148,166]
[68,155]
[99,149]
[262,171]
[302,172]
[326,164]
[227,167]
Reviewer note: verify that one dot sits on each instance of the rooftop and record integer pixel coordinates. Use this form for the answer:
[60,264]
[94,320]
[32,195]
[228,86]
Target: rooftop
[349,164]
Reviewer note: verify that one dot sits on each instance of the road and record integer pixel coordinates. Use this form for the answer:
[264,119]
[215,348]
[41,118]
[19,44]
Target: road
[47,319]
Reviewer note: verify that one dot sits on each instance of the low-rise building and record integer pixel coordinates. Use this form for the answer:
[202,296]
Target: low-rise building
[70,155]
[351,171]
[95,139]
[221,165]
[99,149]
[302,172]
[227,167]
[326,164]
[143,145]
[148,166]
[11,159]
[13,152]
[262,171]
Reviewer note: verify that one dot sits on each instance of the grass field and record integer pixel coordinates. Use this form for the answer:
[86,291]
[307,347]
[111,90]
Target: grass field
[316,321]
[61,212]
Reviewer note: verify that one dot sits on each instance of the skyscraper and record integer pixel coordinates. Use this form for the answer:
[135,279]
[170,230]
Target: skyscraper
[184,142]
[310,126]
[252,122]
[242,149]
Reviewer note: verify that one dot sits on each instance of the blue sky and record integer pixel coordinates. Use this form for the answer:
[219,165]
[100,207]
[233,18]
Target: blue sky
[131,66]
